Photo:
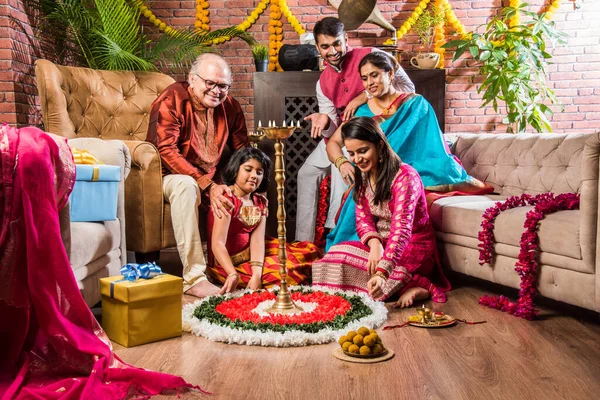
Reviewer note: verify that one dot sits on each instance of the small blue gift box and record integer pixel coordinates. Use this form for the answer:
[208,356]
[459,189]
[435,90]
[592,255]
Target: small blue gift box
[94,196]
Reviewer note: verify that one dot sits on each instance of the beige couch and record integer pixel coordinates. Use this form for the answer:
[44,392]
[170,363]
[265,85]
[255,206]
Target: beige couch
[527,163]
[97,249]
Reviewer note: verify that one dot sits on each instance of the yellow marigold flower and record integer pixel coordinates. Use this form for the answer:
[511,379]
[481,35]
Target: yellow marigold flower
[162,26]
[205,27]
[279,38]
[198,24]
[272,30]
[272,37]
[251,20]
[418,10]
[143,8]
[147,13]
[278,30]
[272,52]
[152,19]
[157,22]
[254,14]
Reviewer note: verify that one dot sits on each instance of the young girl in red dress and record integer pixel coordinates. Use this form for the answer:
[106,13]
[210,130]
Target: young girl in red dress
[239,254]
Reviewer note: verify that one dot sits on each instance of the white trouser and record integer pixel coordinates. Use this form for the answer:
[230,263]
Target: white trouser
[316,167]
[183,194]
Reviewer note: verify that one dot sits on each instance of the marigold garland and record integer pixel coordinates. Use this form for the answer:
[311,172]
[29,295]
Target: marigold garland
[438,35]
[407,25]
[202,14]
[526,266]
[280,8]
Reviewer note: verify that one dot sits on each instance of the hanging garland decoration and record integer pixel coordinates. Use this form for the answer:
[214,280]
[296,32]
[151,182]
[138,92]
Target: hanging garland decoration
[241,317]
[554,5]
[438,35]
[526,266]
[407,25]
[291,19]
[280,7]
[275,36]
[202,14]
[254,15]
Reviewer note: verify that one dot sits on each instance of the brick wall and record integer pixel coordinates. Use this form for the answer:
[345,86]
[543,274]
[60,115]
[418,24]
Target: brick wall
[575,76]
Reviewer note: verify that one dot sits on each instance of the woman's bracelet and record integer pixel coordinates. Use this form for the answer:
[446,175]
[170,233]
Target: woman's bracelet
[257,264]
[233,274]
[380,274]
[340,160]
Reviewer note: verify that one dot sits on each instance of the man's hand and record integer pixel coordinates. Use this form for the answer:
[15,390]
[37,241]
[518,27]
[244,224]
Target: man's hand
[318,123]
[375,286]
[218,202]
[347,171]
[230,284]
[353,106]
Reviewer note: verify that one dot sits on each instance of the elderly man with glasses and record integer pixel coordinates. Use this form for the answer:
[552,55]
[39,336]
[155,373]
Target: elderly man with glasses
[190,124]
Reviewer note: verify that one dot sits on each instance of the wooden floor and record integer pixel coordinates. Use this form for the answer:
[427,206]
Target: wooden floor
[555,357]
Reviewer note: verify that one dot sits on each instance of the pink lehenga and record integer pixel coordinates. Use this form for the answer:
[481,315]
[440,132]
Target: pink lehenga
[402,225]
[51,346]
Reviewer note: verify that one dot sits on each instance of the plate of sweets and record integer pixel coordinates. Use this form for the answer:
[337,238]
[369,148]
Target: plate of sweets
[363,345]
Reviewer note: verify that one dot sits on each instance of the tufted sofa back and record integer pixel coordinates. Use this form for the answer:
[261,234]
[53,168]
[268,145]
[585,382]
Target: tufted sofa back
[527,163]
[82,102]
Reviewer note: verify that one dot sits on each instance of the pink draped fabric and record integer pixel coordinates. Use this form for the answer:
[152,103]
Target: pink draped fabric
[51,345]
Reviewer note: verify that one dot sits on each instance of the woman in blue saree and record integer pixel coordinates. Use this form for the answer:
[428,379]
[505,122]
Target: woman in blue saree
[412,130]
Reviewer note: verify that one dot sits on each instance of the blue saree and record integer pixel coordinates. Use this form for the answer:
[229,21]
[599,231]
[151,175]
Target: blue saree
[415,135]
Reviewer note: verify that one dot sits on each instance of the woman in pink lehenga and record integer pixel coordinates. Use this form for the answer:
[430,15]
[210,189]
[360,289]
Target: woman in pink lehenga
[50,344]
[397,251]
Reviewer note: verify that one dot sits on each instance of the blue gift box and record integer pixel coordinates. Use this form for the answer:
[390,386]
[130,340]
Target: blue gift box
[95,194]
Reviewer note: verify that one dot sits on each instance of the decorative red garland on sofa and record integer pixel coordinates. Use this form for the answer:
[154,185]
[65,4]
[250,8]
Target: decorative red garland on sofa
[322,210]
[526,265]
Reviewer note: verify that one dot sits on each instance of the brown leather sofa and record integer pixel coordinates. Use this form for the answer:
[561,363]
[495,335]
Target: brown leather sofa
[81,102]
[528,163]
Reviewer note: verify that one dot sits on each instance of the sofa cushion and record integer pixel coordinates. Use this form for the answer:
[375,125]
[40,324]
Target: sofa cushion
[91,240]
[462,215]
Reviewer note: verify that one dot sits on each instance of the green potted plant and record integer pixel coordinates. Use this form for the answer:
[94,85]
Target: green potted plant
[513,61]
[260,53]
[425,29]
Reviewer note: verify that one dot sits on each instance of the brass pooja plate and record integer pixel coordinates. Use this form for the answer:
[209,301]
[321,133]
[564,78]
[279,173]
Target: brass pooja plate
[448,321]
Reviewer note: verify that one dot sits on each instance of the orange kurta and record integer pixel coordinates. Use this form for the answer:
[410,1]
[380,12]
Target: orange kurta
[191,139]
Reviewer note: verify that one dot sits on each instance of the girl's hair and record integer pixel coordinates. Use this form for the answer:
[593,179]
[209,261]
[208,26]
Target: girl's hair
[229,174]
[381,60]
[367,130]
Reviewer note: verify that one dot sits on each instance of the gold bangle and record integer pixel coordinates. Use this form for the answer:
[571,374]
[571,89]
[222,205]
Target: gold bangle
[340,161]
[380,274]
[257,264]
[233,274]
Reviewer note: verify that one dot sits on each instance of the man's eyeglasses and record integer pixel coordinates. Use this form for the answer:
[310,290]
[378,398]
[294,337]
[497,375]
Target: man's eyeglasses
[210,85]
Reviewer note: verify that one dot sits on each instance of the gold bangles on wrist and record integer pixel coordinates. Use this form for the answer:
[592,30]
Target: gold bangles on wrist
[340,160]
[233,274]
[256,264]
[380,274]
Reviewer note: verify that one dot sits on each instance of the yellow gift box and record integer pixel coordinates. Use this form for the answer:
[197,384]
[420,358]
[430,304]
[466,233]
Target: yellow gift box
[142,311]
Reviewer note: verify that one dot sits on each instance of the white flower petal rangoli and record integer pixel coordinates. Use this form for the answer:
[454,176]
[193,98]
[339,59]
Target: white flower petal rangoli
[241,317]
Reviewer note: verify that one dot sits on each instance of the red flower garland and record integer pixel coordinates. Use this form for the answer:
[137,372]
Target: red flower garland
[322,210]
[526,265]
[329,306]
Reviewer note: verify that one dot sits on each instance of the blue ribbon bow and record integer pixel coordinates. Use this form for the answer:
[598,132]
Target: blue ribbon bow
[132,272]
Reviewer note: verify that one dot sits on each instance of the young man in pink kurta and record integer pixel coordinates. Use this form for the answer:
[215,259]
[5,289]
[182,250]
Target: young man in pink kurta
[339,93]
